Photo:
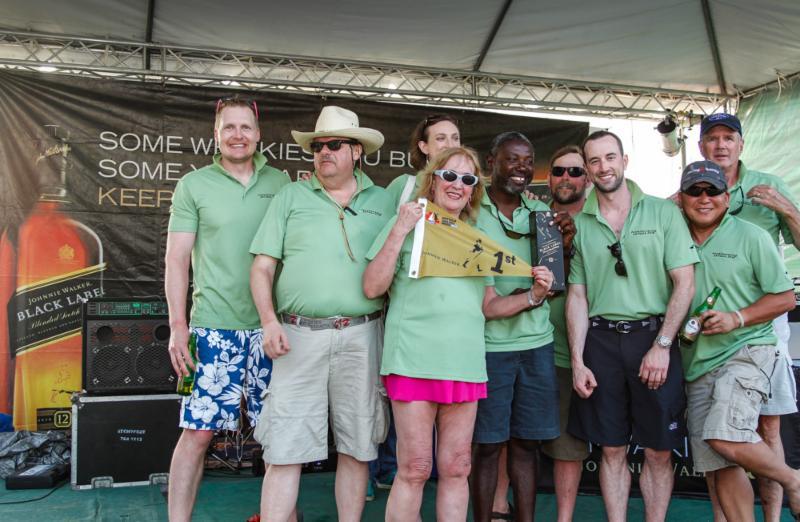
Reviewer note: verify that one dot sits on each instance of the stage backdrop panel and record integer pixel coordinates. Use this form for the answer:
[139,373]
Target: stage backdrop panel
[88,170]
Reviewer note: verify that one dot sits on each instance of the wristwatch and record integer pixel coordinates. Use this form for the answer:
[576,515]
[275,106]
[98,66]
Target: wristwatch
[664,341]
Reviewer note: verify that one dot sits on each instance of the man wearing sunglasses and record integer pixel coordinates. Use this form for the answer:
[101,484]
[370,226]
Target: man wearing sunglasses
[764,200]
[630,285]
[568,183]
[214,216]
[325,337]
[522,404]
[729,366]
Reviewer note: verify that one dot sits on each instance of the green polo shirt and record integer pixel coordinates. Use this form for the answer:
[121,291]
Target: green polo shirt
[224,215]
[434,327]
[398,184]
[760,215]
[654,240]
[303,229]
[741,259]
[530,328]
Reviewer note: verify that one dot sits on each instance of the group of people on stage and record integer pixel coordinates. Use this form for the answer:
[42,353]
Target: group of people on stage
[302,305]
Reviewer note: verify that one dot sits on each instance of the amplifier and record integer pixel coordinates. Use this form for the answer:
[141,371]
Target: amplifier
[125,347]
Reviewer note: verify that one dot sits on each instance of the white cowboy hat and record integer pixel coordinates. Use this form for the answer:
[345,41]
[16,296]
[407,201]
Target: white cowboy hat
[337,122]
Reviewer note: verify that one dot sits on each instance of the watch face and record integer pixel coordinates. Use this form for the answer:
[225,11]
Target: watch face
[664,341]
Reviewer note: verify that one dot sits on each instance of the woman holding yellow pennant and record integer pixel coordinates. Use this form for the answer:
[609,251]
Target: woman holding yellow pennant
[434,366]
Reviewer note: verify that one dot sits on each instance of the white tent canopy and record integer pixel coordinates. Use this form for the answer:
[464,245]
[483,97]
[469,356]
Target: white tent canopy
[636,58]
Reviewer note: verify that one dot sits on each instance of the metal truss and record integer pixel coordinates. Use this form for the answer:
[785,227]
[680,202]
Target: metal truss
[126,60]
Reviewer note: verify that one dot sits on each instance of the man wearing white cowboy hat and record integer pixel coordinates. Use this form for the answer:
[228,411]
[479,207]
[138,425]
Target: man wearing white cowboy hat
[324,337]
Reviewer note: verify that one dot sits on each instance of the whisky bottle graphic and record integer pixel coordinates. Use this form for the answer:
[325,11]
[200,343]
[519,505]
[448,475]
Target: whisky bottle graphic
[57,264]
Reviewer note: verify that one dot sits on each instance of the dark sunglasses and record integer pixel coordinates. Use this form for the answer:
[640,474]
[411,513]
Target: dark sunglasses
[696,191]
[234,102]
[619,266]
[574,172]
[739,208]
[332,145]
[451,176]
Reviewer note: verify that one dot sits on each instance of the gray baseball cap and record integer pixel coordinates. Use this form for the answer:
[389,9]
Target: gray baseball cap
[703,171]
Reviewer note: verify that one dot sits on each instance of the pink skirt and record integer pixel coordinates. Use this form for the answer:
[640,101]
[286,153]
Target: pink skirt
[407,389]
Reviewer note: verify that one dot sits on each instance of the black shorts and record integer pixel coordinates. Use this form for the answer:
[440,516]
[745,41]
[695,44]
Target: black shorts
[622,409]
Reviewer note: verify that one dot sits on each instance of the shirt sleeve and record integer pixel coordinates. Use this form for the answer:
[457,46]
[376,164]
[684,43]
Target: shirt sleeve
[183,214]
[679,249]
[270,235]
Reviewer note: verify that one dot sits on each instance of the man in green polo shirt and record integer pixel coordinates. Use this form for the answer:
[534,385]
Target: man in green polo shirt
[730,365]
[325,336]
[568,183]
[214,216]
[522,404]
[764,200]
[630,285]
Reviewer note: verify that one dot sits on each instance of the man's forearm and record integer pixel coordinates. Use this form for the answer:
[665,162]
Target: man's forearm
[577,311]
[262,276]
[176,286]
[678,305]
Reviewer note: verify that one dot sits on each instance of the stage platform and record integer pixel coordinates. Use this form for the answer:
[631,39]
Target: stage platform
[234,498]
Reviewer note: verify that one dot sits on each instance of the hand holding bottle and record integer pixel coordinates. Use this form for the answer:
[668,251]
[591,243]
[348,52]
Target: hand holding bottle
[718,322]
[182,361]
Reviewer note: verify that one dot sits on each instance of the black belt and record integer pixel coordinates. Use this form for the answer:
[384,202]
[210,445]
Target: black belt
[328,323]
[601,323]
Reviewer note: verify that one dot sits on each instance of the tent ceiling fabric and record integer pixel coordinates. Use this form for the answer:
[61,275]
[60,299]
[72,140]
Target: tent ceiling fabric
[646,43]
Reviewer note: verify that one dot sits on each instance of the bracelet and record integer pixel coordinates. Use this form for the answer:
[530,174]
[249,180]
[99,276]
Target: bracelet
[531,301]
[741,319]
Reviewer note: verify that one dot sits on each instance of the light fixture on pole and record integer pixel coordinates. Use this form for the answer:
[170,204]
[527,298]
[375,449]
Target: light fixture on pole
[672,137]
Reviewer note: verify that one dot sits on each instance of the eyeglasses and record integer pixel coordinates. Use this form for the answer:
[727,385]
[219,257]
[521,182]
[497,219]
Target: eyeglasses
[512,234]
[574,172]
[332,145]
[696,191]
[619,266]
[451,176]
[235,101]
[741,202]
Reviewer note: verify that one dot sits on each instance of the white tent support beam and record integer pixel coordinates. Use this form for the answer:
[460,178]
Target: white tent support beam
[373,81]
[714,46]
[780,81]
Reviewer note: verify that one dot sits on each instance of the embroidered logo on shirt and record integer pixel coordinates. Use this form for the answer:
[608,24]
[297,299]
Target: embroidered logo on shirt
[643,232]
[723,254]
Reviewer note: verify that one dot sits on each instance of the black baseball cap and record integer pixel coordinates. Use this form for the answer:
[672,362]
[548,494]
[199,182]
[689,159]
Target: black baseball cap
[703,171]
[721,118]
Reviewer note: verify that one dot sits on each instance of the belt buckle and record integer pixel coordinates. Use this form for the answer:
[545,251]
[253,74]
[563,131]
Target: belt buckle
[623,327]
[293,319]
[341,322]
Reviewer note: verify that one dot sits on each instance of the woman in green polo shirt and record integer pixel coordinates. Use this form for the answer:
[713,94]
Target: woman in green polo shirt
[431,136]
[434,365]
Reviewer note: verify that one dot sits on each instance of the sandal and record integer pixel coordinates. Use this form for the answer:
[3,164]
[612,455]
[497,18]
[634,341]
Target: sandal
[496,515]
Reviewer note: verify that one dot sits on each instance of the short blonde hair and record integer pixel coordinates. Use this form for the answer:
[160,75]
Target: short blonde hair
[470,211]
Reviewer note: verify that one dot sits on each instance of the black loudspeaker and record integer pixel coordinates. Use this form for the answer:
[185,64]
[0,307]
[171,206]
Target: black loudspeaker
[125,347]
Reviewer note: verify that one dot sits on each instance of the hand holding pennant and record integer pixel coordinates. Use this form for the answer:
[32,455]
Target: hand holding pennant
[448,247]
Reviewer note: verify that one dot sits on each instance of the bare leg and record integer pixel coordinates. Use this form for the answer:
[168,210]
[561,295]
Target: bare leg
[454,425]
[414,424]
[483,479]
[500,503]
[762,461]
[771,493]
[351,487]
[711,482]
[566,478]
[735,493]
[656,483]
[185,473]
[615,482]
[522,460]
[279,492]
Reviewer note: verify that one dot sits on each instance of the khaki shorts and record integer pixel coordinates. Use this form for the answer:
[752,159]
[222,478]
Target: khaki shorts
[566,446]
[325,370]
[724,404]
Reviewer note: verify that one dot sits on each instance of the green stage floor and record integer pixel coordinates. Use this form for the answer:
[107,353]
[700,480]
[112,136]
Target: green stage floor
[235,498]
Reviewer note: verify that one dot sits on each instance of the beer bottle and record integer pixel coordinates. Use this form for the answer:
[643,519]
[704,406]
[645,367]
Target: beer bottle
[186,384]
[692,328]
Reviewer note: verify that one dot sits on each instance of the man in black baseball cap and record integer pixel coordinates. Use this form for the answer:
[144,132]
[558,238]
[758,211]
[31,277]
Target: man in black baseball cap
[764,200]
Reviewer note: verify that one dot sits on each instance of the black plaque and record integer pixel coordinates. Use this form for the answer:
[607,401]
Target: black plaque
[549,247]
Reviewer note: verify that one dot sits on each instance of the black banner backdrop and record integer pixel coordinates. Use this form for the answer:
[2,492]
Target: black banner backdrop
[88,170]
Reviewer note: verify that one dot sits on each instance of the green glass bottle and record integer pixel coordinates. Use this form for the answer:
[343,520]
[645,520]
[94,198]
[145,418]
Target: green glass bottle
[694,325]
[186,384]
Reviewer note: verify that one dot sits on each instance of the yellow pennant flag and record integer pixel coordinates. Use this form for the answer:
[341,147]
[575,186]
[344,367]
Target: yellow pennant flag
[448,247]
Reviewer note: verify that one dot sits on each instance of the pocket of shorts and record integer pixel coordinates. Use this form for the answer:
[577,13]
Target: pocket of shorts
[745,403]
[381,425]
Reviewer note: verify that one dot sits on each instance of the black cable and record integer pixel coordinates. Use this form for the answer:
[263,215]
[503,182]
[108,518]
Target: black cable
[34,499]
